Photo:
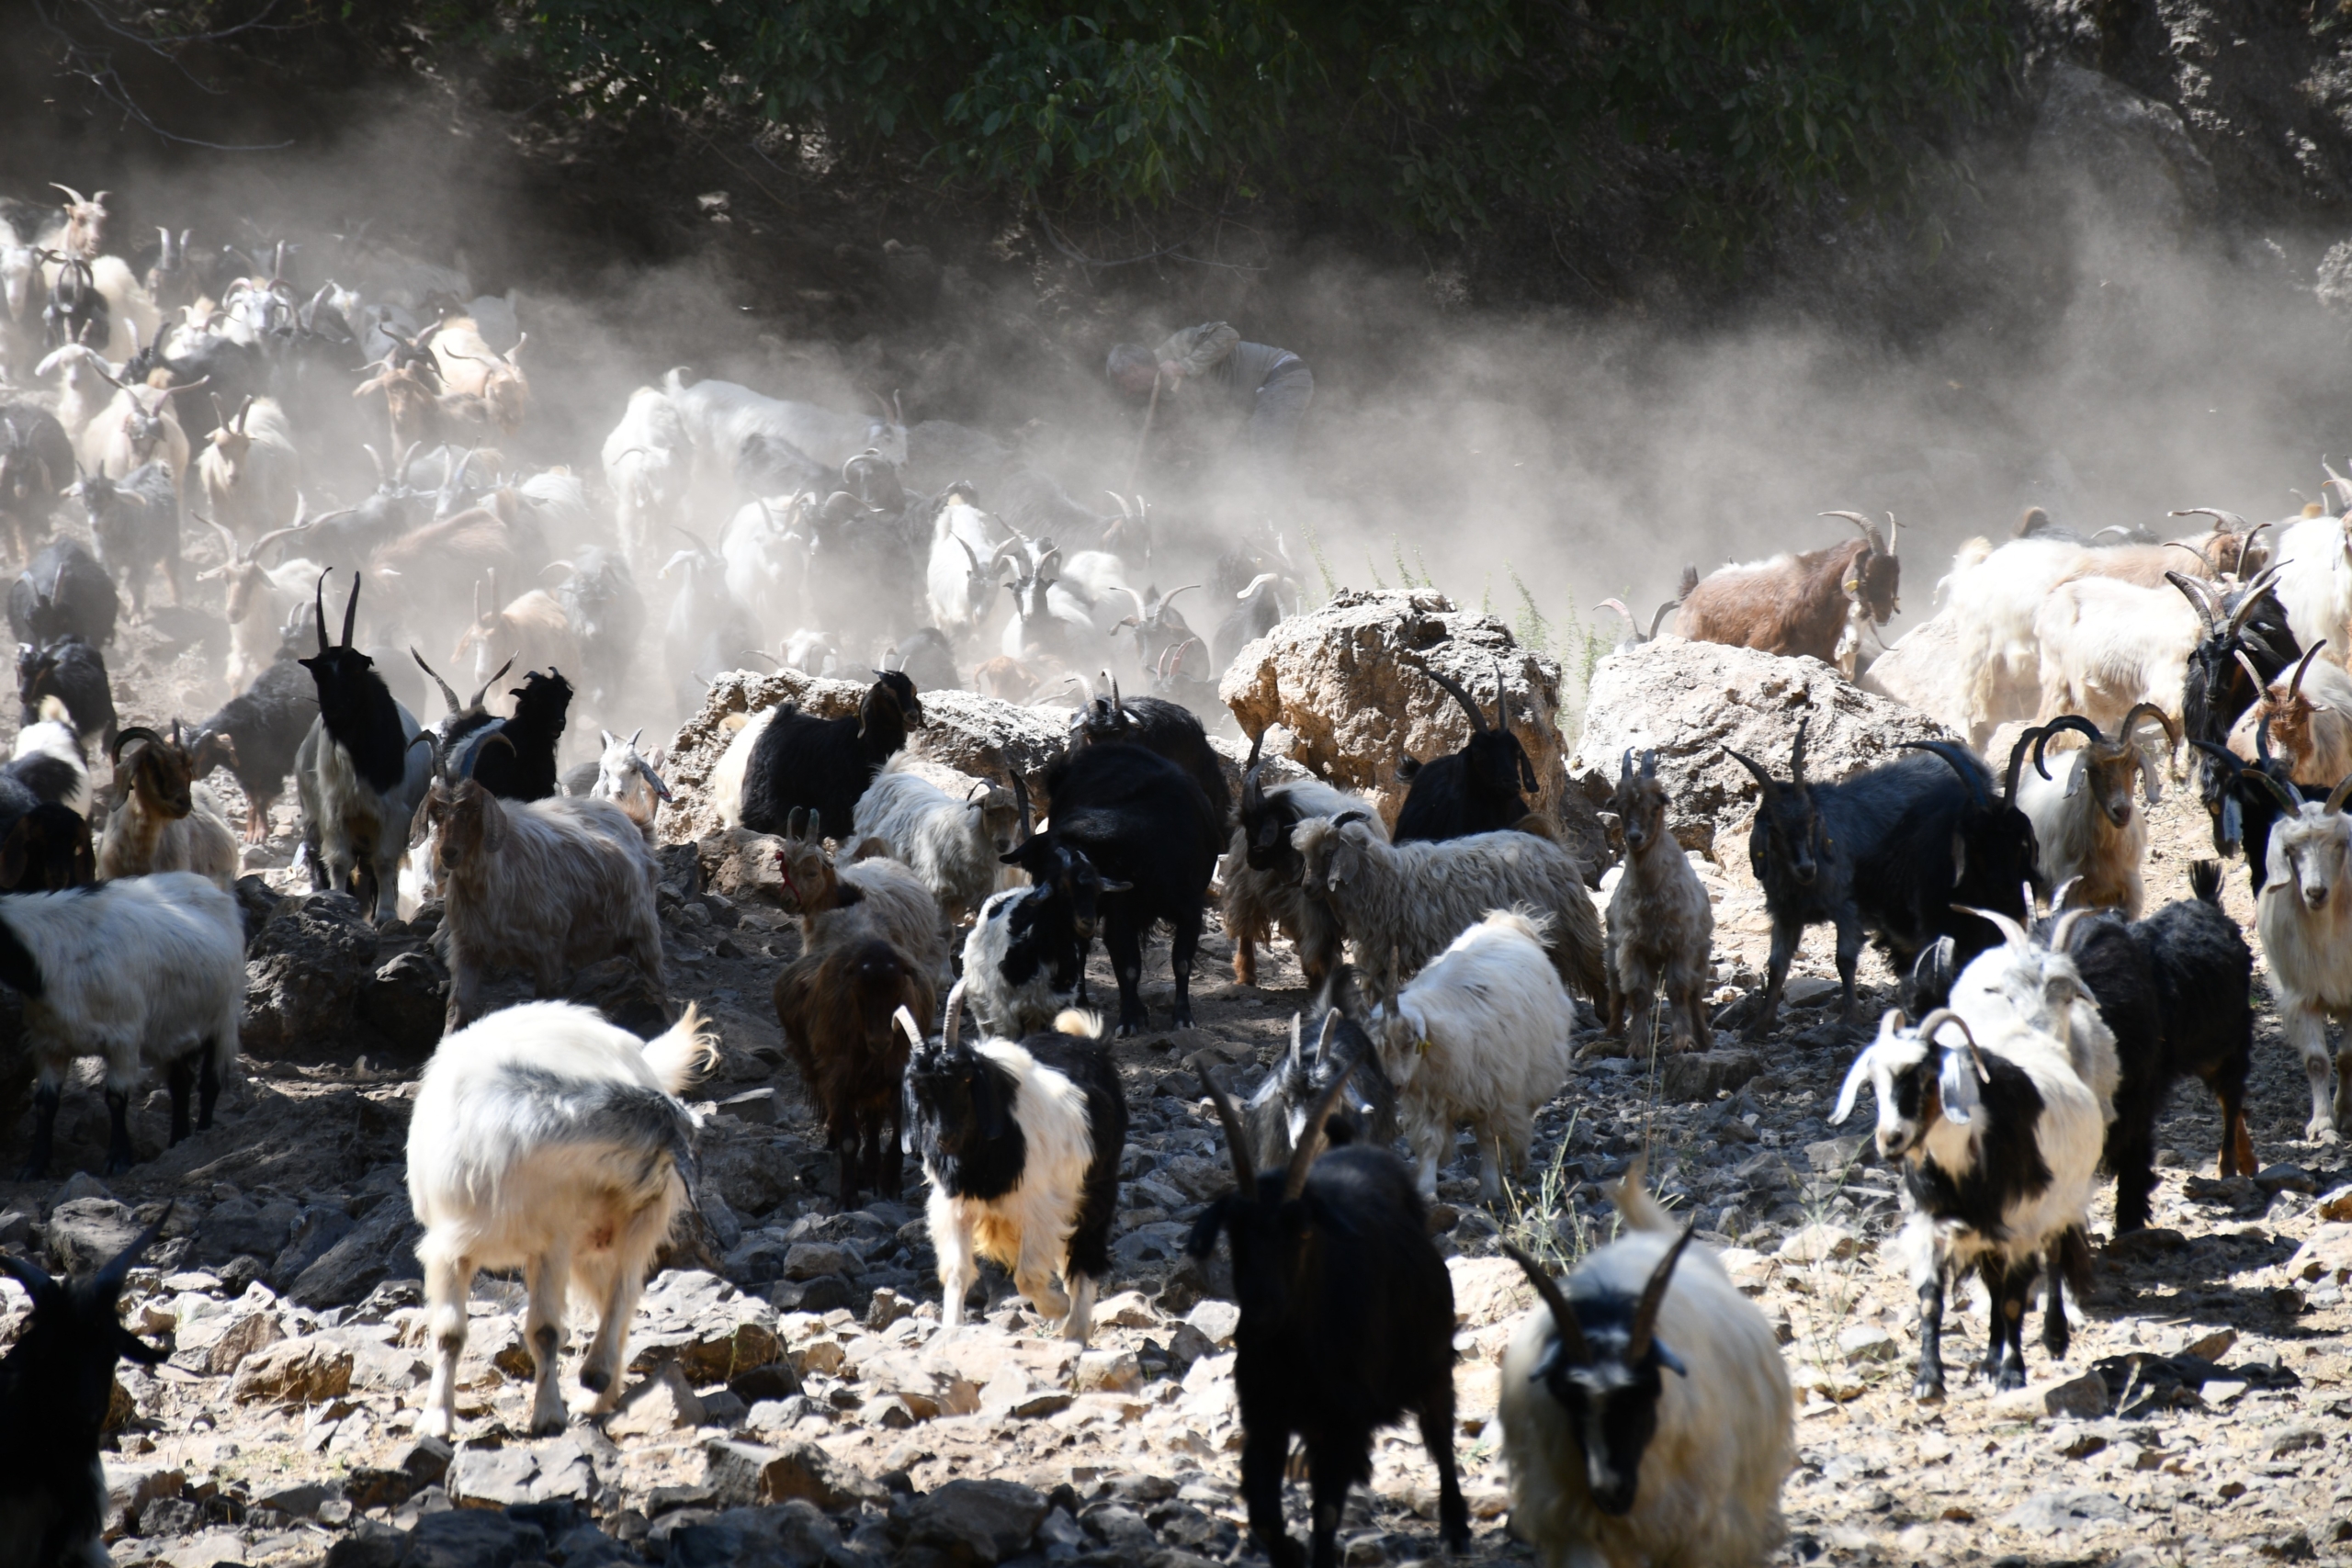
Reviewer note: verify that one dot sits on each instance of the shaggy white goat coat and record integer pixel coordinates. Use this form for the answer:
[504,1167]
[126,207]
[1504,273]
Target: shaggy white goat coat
[1481,1036]
[2308,947]
[1254,904]
[2023,985]
[2315,583]
[547,1140]
[2106,645]
[140,971]
[648,463]
[726,786]
[1709,1492]
[950,845]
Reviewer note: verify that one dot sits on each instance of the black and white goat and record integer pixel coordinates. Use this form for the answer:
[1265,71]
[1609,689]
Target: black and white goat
[548,1140]
[1475,790]
[147,971]
[2000,1142]
[72,673]
[1020,1142]
[1264,875]
[1347,1323]
[796,760]
[1025,957]
[1612,1461]
[56,1386]
[359,773]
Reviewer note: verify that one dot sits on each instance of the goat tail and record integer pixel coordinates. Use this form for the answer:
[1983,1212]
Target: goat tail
[1688,584]
[683,1054]
[1078,1021]
[2205,881]
[1632,1196]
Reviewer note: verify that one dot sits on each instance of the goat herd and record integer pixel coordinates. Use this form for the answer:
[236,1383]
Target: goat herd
[1647,1412]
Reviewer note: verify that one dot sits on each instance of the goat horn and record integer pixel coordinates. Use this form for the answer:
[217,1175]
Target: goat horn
[2295,686]
[1323,1041]
[1658,617]
[68,190]
[483,690]
[2064,721]
[446,695]
[1869,530]
[2017,759]
[2261,686]
[1302,1159]
[2250,597]
[2016,935]
[1763,775]
[1618,605]
[2194,589]
[2171,725]
[2230,521]
[1169,597]
[2287,798]
[952,1025]
[351,609]
[1958,756]
[906,1024]
[319,606]
[125,737]
[1797,754]
[2063,932]
[1937,1020]
[2204,559]
[107,1281]
[1644,1329]
[1453,689]
[2336,796]
[1237,1142]
[1564,1317]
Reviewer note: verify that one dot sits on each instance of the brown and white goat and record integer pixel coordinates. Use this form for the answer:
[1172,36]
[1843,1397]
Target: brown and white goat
[1661,926]
[531,632]
[259,601]
[843,904]
[545,887]
[166,821]
[2085,829]
[248,467]
[471,369]
[1798,605]
[420,413]
[2310,731]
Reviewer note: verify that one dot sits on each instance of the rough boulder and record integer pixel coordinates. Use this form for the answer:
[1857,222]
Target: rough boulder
[1691,700]
[1336,678]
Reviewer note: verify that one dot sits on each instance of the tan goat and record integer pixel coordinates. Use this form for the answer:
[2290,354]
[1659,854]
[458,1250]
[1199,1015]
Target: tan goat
[167,820]
[248,467]
[471,367]
[2312,730]
[531,632]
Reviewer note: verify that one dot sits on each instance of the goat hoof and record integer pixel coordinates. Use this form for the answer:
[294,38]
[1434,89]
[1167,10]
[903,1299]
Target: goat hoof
[1928,1387]
[2009,1377]
[596,1380]
[548,1426]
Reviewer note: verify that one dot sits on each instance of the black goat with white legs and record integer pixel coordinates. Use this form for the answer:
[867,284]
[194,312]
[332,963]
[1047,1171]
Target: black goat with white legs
[360,772]
[1020,1142]
[2175,989]
[1475,790]
[65,592]
[1165,728]
[825,764]
[1347,1323]
[255,735]
[75,674]
[1142,822]
[56,1385]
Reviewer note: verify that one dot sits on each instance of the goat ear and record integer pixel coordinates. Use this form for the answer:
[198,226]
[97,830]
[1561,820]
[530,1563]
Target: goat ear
[494,824]
[1959,859]
[1855,1075]
[133,1349]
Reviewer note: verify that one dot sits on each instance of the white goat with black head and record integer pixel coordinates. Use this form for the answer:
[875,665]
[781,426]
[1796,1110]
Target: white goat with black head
[2000,1142]
[1614,1462]
[2304,916]
[548,1140]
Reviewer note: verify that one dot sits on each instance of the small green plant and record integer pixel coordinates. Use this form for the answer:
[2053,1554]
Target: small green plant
[1372,567]
[1544,1224]
[1529,625]
[1322,565]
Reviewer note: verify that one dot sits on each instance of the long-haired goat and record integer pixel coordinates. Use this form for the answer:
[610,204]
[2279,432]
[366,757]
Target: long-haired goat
[1164,728]
[1401,905]
[2309,715]
[2246,644]
[1347,1323]
[530,632]
[1797,606]
[1661,926]
[628,778]
[1264,878]
[544,1139]
[1475,790]
[1020,1142]
[1481,1035]
[1613,1463]
[56,1388]
[543,887]
[2108,647]
[2000,1142]
[256,735]
[1025,957]
[64,592]
[166,821]
[954,847]
[848,902]
[836,1006]
[825,764]
[359,771]
[2304,917]
[145,971]
[2084,823]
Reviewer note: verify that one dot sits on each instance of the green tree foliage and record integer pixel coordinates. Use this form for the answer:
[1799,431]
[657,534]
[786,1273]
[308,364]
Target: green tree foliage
[1424,116]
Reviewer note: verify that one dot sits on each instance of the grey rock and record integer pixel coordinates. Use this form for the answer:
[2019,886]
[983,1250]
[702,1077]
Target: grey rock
[2050,1513]
[404,1000]
[473,1537]
[982,1521]
[1161,1241]
[793,1536]
[303,972]
[2133,152]
[739,1474]
[809,1260]
[240,1227]
[1116,1524]
[316,1230]
[382,1246]
[84,1232]
[1699,1076]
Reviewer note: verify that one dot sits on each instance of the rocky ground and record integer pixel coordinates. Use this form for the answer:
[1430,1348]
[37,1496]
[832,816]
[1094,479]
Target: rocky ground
[794,1398]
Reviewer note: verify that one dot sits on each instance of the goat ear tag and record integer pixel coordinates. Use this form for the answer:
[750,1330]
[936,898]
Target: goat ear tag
[1421,1046]
[1668,1359]
[1956,1084]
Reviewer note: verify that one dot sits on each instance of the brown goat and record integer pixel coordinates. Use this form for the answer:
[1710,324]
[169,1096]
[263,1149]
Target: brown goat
[434,565]
[841,905]
[1661,926]
[1796,604]
[532,631]
[471,367]
[418,412]
[166,821]
[2311,731]
[835,1006]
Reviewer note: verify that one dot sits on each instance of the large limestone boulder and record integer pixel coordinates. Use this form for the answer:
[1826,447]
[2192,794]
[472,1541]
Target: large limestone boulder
[976,736]
[1691,700]
[1336,678]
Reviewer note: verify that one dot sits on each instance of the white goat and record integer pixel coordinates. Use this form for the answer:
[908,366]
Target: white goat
[961,577]
[147,971]
[547,1140]
[954,847]
[2108,646]
[2033,985]
[767,562]
[545,887]
[1480,1036]
[2084,823]
[260,600]
[718,415]
[1402,905]
[2005,1115]
[629,780]
[1614,1464]
[648,463]
[2304,916]
[2313,558]
[249,468]
[87,386]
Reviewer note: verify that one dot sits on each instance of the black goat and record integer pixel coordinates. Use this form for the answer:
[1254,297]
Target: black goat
[46,848]
[2251,798]
[1475,790]
[76,312]
[825,764]
[926,658]
[135,523]
[769,465]
[1142,821]
[357,808]
[77,601]
[73,672]
[1347,1323]
[1259,612]
[36,465]
[56,1385]
[2175,989]
[521,764]
[256,734]
[2216,689]
[1364,1113]
[600,600]
[1168,730]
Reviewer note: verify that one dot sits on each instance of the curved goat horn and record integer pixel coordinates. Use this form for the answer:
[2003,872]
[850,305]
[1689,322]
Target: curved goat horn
[2194,589]
[1646,1311]
[1564,1317]
[2295,686]
[1453,689]
[1962,761]
[2230,521]
[1236,1140]
[446,695]
[2016,935]
[1869,530]
[495,676]
[2250,597]
[2074,721]
[1302,1159]
[2017,759]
